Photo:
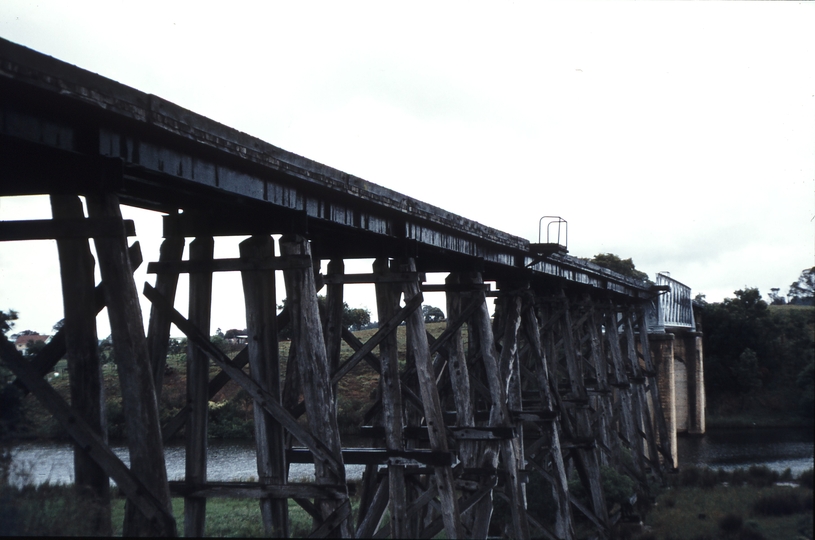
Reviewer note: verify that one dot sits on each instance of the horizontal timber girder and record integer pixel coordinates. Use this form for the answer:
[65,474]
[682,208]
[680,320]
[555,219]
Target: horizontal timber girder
[68,130]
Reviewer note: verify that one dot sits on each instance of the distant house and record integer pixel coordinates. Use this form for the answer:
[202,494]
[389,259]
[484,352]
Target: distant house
[21,343]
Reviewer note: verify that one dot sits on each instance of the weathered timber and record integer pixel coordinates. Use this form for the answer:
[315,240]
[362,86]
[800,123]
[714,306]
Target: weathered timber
[228,265]
[643,424]
[158,330]
[658,417]
[200,307]
[155,511]
[391,397]
[135,375]
[215,384]
[416,339]
[256,490]
[264,366]
[86,383]
[510,381]
[64,228]
[314,371]
[318,448]
[333,325]
[55,349]
[588,466]
[564,525]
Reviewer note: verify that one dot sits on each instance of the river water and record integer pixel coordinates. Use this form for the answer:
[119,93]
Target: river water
[235,460]
[728,449]
[226,461]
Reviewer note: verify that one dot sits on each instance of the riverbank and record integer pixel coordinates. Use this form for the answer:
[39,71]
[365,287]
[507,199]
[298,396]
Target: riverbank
[757,420]
[748,504]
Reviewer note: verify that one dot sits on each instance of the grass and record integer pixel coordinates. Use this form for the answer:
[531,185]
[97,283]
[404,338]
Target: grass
[703,503]
[60,510]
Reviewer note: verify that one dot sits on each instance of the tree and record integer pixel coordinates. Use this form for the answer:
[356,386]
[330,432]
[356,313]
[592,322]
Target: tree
[432,314]
[7,319]
[356,318]
[621,266]
[802,292]
[775,298]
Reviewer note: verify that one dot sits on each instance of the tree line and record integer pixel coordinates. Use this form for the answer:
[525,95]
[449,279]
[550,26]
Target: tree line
[759,357]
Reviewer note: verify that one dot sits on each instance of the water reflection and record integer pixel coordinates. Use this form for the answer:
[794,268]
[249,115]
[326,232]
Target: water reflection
[235,460]
[227,460]
[730,449]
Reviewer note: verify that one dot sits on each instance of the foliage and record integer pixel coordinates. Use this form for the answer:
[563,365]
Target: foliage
[432,314]
[355,318]
[7,319]
[621,266]
[802,292]
[177,346]
[106,355]
[754,350]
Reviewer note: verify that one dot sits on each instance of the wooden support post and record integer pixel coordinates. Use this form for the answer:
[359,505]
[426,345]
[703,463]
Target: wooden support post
[264,365]
[201,250]
[603,400]
[158,331]
[588,465]
[658,417]
[87,388]
[390,388]
[460,381]
[564,525]
[333,318]
[628,416]
[642,418]
[417,346]
[135,374]
[481,330]
[314,371]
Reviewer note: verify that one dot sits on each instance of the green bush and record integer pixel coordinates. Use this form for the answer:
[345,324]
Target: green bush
[781,504]
[761,476]
[806,479]
[232,418]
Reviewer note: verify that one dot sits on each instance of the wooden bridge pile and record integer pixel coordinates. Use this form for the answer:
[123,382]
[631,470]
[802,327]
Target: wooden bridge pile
[560,382]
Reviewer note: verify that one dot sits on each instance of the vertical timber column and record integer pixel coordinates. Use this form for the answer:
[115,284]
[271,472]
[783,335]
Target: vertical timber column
[661,439]
[333,318]
[201,250]
[663,348]
[623,385]
[564,526]
[605,412]
[460,382]
[499,417]
[261,323]
[386,301]
[135,375]
[312,363]
[588,465]
[87,389]
[158,331]
[416,334]
[696,383]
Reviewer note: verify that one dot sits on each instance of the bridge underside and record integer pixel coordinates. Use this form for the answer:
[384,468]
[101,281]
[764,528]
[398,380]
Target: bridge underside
[558,384]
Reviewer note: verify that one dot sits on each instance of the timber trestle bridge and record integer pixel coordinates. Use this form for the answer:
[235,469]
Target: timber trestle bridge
[560,383]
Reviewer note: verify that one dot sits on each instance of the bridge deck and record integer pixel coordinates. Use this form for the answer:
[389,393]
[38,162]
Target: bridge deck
[66,128]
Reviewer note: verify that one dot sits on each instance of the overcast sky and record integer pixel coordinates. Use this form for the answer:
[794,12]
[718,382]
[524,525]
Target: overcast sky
[679,134]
